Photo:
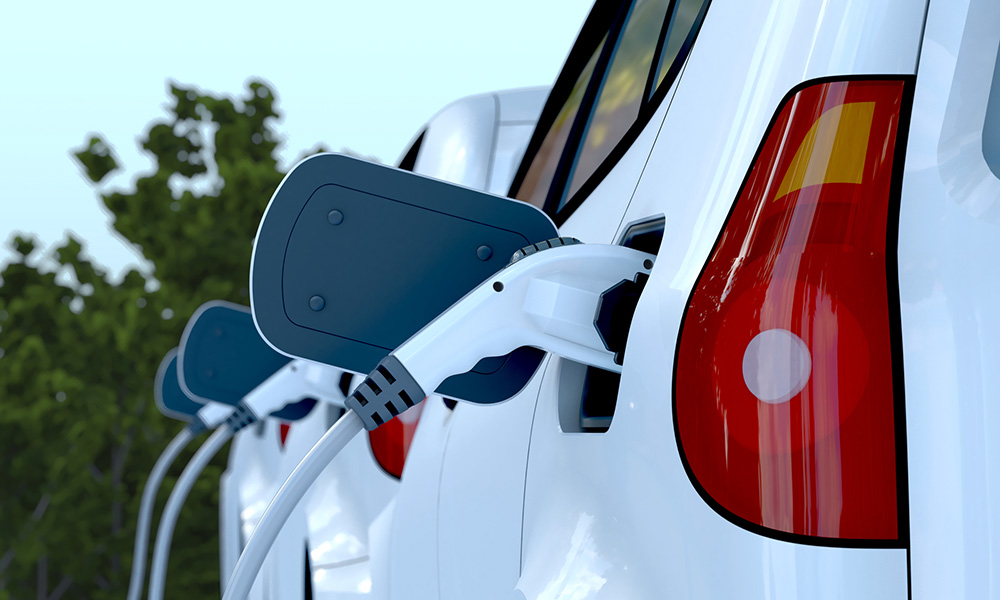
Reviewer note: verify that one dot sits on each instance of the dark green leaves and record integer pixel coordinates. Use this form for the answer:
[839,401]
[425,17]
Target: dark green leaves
[79,350]
[96,158]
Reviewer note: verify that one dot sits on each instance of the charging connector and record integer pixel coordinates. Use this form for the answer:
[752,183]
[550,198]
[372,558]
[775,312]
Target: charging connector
[291,392]
[551,299]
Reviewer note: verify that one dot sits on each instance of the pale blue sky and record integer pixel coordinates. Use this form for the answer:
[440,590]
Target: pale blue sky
[363,75]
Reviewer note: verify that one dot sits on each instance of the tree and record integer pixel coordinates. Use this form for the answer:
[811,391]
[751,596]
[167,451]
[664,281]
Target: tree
[78,353]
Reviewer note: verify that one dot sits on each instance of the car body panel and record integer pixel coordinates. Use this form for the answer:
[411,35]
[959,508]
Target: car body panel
[949,248]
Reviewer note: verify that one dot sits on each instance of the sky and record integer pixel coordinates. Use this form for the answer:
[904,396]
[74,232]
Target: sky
[360,74]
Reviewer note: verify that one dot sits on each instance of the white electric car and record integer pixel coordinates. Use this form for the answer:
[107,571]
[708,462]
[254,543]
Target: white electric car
[808,403]
[323,550]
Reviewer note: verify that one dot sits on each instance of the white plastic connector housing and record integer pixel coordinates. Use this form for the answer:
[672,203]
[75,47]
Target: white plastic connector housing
[547,300]
[213,414]
[297,380]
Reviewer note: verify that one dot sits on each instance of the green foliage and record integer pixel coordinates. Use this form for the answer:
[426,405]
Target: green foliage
[78,353]
[96,158]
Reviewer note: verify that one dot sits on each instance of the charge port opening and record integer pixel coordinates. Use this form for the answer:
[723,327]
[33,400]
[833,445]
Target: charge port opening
[588,395]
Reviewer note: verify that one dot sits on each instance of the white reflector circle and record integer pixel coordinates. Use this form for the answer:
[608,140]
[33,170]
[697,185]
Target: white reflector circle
[776,365]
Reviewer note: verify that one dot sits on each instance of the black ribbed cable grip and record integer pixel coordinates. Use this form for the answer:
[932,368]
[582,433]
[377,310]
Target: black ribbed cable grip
[386,392]
[553,243]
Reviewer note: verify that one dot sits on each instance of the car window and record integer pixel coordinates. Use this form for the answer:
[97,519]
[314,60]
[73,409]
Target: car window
[680,34]
[622,89]
[538,179]
[644,41]
[409,159]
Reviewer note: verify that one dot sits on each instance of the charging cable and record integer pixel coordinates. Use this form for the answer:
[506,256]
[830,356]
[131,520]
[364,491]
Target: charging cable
[149,490]
[551,300]
[289,394]
[165,530]
[172,402]
[208,417]
[285,501]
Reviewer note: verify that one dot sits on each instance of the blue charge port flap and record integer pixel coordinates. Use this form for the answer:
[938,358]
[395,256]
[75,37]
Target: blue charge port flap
[167,392]
[222,358]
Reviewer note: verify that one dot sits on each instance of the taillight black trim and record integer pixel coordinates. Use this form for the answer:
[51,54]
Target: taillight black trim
[895,316]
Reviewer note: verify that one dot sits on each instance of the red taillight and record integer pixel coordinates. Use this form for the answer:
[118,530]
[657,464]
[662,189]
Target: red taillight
[785,403]
[391,442]
[283,433]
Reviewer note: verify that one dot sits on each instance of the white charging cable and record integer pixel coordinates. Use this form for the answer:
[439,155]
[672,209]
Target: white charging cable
[296,381]
[165,530]
[208,417]
[285,501]
[152,485]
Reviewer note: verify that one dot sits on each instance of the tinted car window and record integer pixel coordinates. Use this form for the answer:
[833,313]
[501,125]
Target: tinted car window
[589,122]
[410,158]
[622,89]
[538,178]
[680,34]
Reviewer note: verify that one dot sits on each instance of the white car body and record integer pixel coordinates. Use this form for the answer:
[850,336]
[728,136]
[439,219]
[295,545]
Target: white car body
[476,142]
[506,501]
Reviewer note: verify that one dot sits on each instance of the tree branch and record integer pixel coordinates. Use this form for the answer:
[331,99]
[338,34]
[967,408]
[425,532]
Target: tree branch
[102,583]
[5,560]
[61,588]
[43,578]
[36,515]
[117,509]
[43,504]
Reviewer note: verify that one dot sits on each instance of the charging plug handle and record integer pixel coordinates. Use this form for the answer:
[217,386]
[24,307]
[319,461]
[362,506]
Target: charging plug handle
[386,392]
[569,301]
[241,417]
